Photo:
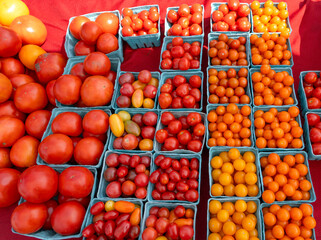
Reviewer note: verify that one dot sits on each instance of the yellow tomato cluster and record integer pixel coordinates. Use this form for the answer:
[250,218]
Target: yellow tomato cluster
[270,18]
[234,174]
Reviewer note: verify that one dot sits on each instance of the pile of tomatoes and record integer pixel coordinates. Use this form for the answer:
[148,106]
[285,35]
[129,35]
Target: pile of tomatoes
[180,55]
[228,51]
[285,179]
[98,35]
[184,132]
[133,131]
[315,132]
[176,223]
[178,92]
[66,144]
[126,175]
[186,21]
[175,179]
[114,220]
[231,17]
[143,23]
[39,185]
[139,93]
[312,89]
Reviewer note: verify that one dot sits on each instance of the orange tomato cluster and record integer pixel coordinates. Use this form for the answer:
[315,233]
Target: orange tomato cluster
[233,220]
[228,51]
[271,87]
[286,222]
[270,18]
[270,49]
[274,129]
[230,126]
[228,86]
[234,174]
[285,179]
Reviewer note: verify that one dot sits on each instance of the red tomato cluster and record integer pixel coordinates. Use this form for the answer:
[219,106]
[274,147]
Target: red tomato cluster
[114,220]
[38,185]
[180,55]
[177,92]
[174,224]
[89,84]
[175,179]
[98,35]
[185,132]
[312,89]
[139,93]
[187,21]
[126,175]
[315,132]
[66,143]
[143,23]
[139,133]
[231,17]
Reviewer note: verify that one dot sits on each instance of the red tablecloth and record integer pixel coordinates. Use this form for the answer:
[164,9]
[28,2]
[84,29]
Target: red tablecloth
[305,21]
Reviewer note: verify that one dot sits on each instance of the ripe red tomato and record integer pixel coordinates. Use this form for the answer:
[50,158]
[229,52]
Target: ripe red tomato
[172,16]
[314,103]
[29,217]
[81,48]
[171,144]
[193,118]
[89,32]
[108,22]
[150,91]
[8,186]
[233,5]
[56,149]
[88,151]
[316,148]
[195,145]
[69,123]
[199,129]
[244,26]
[130,142]
[315,135]
[18,80]
[148,132]
[76,24]
[310,77]
[149,233]
[161,135]
[24,152]
[184,64]
[107,43]
[127,31]
[184,137]
[67,89]
[167,117]
[166,63]
[243,10]
[317,93]
[11,129]
[127,90]
[96,91]
[11,66]
[196,93]
[36,123]
[67,218]
[97,63]
[217,16]
[5,158]
[174,127]
[50,92]
[10,42]
[96,122]
[144,76]
[79,71]
[186,232]
[113,189]
[165,100]
[195,29]
[76,182]
[308,91]
[221,26]
[313,119]
[9,109]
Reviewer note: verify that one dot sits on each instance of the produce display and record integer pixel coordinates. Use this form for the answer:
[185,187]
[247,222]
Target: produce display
[185,132]
[232,16]
[175,222]
[230,86]
[181,55]
[179,92]
[228,51]
[234,174]
[133,131]
[312,90]
[175,179]
[186,21]
[285,178]
[137,93]
[126,175]
[230,126]
[233,219]
[114,219]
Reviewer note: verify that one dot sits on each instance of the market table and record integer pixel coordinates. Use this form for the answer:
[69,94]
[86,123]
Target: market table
[305,21]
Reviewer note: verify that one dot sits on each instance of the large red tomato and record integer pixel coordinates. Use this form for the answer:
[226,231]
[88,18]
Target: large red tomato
[108,22]
[67,218]
[18,80]
[5,88]
[56,149]
[75,25]
[50,92]
[69,123]
[107,43]
[49,66]
[24,152]
[11,129]
[10,42]
[96,122]
[29,217]
[78,70]
[38,184]
[9,109]
[76,182]
[11,66]
[36,123]
[8,186]
[97,63]
[67,89]
[30,29]
[30,97]
[88,151]
[96,91]
[5,158]
[89,32]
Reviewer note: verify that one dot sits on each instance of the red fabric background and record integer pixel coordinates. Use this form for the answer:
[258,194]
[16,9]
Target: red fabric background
[305,21]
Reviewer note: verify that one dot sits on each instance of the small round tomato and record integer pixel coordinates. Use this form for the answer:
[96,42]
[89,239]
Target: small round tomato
[24,152]
[96,122]
[130,142]
[193,118]
[195,29]
[107,43]
[184,137]
[113,190]
[161,135]
[76,25]
[310,77]
[314,103]
[172,16]
[199,129]
[313,119]
[186,232]
[89,32]
[11,66]
[174,127]
[165,100]
[81,48]
[184,64]
[171,144]
[195,145]
[10,42]
[188,101]
[177,51]
[166,63]
[108,22]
